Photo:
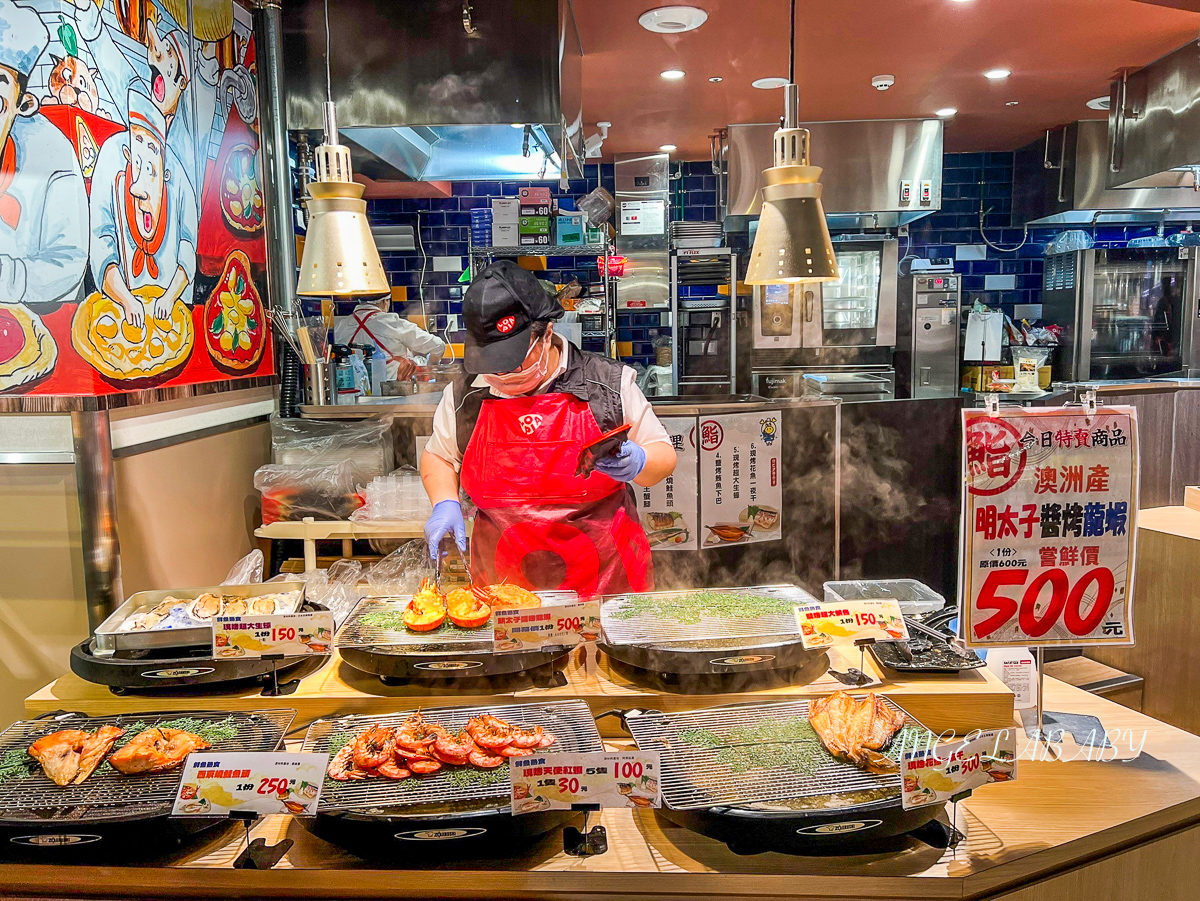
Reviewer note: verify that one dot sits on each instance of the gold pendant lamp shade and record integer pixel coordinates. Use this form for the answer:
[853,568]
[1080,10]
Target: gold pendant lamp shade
[340,258]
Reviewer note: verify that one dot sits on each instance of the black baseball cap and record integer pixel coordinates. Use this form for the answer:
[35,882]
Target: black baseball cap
[499,307]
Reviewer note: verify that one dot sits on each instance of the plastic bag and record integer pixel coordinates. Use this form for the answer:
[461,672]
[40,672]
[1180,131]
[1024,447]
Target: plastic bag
[336,588]
[402,571]
[1075,239]
[290,493]
[1026,363]
[397,496]
[247,571]
[366,446]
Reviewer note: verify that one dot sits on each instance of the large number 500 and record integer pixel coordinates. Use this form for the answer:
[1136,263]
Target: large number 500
[1066,601]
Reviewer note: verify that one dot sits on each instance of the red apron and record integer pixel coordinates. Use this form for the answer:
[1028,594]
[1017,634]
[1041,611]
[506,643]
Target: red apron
[539,525]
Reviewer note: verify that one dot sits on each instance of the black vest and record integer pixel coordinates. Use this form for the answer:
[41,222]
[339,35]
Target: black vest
[590,377]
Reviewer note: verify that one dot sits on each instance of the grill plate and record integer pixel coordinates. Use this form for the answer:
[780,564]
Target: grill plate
[570,721]
[693,778]
[647,629]
[107,792]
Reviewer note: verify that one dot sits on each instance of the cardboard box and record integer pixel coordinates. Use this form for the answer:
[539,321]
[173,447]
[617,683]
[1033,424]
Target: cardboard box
[534,240]
[535,209]
[534,225]
[976,377]
[506,210]
[504,234]
[569,229]
[535,196]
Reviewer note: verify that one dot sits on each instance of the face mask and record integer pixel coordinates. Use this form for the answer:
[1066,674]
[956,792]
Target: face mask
[523,381]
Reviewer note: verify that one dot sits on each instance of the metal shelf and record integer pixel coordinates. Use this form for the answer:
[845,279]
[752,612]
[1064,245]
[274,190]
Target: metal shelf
[544,250]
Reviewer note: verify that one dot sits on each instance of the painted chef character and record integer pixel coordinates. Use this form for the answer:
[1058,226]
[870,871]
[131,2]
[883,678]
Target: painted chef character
[43,204]
[166,72]
[143,217]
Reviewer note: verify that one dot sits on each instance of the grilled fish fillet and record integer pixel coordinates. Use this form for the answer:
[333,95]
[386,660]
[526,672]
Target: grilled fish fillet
[156,751]
[856,731]
[95,748]
[58,753]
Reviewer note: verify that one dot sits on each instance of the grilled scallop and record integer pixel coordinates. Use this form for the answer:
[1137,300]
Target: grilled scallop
[265,604]
[234,607]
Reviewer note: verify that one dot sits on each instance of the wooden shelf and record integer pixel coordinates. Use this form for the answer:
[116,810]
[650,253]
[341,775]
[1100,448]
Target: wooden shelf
[310,531]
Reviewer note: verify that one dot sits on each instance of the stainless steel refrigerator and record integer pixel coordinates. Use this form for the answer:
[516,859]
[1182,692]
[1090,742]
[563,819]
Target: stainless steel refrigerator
[1125,313]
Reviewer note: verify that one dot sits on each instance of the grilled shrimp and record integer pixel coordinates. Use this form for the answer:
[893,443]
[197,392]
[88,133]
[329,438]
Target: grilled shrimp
[528,738]
[490,733]
[513,751]
[485,761]
[390,769]
[426,766]
[414,734]
[453,750]
[373,747]
[342,768]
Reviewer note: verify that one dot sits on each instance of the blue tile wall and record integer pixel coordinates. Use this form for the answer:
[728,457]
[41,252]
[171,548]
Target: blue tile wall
[970,180]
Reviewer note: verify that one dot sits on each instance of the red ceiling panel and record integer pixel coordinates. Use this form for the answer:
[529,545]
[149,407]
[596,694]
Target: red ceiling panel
[1061,53]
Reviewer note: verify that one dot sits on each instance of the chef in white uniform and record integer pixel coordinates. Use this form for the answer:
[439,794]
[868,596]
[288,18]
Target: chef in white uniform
[165,72]
[143,215]
[43,204]
[372,322]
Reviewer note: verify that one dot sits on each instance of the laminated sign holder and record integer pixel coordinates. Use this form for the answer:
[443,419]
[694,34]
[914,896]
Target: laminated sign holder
[1049,527]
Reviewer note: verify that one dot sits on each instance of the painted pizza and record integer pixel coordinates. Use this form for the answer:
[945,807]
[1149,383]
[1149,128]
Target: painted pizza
[27,349]
[129,355]
[234,329]
[241,195]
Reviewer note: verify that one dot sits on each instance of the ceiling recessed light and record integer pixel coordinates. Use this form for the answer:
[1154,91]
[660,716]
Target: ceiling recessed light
[672,74]
[716,79]
[668,148]
[945,112]
[673,19]
[1011,103]
[767,83]
[1101,103]
[997,74]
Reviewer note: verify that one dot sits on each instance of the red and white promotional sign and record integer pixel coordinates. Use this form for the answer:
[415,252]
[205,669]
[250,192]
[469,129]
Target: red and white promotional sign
[1048,532]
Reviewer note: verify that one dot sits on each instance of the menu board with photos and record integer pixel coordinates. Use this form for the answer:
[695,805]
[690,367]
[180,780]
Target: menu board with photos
[741,478]
[670,510]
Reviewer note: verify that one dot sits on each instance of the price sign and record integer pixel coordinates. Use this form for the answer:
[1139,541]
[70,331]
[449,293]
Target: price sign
[551,625]
[1049,510]
[272,635]
[933,775]
[214,784]
[600,778]
[825,624]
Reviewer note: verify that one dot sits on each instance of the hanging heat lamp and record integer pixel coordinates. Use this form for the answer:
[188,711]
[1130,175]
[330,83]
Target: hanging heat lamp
[792,244]
[340,258]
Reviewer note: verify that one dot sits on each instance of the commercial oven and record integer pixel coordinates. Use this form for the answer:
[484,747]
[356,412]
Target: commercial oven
[1125,312]
[928,335]
[846,326]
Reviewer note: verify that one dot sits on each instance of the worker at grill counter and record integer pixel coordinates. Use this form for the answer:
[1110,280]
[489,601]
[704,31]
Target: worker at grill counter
[512,428]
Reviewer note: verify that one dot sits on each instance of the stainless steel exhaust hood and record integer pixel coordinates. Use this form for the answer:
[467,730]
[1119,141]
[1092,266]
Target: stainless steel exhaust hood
[1061,179]
[1154,124]
[878,173]
[435,90]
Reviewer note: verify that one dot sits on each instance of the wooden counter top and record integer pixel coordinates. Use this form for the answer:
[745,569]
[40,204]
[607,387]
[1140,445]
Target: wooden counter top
[962,702]
[1078,829]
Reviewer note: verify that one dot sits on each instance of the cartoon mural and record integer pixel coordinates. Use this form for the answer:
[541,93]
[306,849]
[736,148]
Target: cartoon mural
[131,216]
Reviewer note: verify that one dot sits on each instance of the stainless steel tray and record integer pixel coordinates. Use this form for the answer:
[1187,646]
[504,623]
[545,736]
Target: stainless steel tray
[109,639]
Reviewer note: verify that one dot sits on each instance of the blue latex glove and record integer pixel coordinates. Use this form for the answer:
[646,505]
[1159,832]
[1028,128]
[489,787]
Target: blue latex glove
[447,517]
[625,464]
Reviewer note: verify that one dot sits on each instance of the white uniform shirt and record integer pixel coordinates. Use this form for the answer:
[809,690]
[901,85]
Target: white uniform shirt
[644,429]
[42,260]
[112,240]
[391,332]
